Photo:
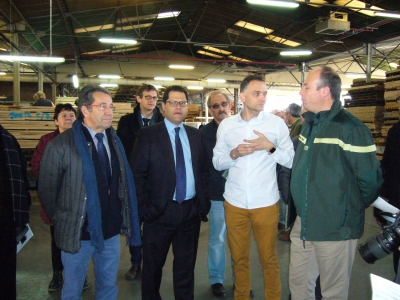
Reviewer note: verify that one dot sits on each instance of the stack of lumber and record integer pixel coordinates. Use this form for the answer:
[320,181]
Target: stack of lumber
[367,104]
[29,123]
[193,112]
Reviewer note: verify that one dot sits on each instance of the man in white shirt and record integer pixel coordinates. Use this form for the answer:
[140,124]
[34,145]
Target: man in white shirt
[250,144]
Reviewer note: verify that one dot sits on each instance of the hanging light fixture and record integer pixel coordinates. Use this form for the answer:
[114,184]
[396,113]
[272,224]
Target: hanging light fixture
[281,3]
[52,59]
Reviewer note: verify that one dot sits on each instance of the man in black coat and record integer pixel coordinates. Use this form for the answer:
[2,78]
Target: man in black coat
[219,105]
[391,174]
[15,201]
[146,113]
[171,196]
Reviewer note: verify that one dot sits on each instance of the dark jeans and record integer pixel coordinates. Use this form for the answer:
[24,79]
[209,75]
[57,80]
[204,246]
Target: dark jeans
[136,255]
[55,253]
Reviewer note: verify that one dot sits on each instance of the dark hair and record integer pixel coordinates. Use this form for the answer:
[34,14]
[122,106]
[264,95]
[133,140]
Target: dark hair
[174,88]
[294,109]
[248,79]
[217,92]
[331,79]
[86,96]
[145,87]
[60,107]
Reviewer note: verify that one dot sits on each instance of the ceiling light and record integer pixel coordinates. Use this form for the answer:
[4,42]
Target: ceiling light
[358,6]
[195,87]
[388,15]
[108,85]
[296,53]
[216,80]
[117,41]
[394,65]
[2,73]
[281,3]
[184,67]
[283,41]
[109,76]
[32,58]
[157,86]
[164,78]
[75,81]
[168,14]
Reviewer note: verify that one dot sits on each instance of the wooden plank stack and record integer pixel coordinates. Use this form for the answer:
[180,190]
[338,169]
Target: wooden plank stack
[29,123]
[193,112]
[367,104]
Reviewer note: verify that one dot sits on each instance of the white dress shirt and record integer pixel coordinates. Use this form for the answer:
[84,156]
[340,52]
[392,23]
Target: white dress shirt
[252,181]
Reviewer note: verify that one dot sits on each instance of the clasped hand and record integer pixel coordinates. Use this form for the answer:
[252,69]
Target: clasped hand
[260,143]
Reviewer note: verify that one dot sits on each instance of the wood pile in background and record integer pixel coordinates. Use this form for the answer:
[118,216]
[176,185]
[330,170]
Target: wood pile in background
[193,112]
[367,103]
[29,123]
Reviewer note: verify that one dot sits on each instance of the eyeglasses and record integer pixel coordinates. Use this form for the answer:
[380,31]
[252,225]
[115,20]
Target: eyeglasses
[217,105]
[174,103]
[103,106]
[148,97]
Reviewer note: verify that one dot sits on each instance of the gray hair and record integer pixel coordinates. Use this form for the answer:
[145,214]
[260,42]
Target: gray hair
[294,109]
[331,79]
[86,97]
[213,93]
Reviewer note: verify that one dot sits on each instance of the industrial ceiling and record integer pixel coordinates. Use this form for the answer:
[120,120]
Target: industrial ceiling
[233,36]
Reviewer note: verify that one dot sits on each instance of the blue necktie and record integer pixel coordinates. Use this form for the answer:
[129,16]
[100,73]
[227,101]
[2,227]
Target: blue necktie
[180,192]
[103,157]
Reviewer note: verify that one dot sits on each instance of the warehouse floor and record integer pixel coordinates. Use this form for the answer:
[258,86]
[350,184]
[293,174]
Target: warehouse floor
[34,269]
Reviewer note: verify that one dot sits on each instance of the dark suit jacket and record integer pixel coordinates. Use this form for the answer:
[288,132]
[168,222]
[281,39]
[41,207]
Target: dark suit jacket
[216,183]
[129,125]
[153,166]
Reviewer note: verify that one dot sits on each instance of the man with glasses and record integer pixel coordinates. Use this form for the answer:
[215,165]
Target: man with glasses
[87,190]
[146,113]
[250,144]
[219,105]
[170,170]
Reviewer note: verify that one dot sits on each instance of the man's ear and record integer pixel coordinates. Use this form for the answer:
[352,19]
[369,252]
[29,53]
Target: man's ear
[84,110]
[242,97]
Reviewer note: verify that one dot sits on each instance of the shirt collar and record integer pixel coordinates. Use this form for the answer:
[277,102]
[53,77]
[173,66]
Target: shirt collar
[170,126]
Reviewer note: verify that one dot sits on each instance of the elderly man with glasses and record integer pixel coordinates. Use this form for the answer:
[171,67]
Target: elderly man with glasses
[170,170]
[219,105]
[87,190]
[146,113]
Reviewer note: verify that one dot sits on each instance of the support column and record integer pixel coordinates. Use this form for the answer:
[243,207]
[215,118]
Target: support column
[53,92]
[16,73]
[40,77]
[369,62]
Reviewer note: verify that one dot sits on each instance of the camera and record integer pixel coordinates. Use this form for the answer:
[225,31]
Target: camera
[382,244]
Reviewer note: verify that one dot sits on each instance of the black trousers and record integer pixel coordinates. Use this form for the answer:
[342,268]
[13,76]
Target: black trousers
[179,225]
[8,259]
[55,253]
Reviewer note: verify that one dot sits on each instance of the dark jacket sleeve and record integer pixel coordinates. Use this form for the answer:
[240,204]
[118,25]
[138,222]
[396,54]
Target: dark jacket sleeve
[50,177]
[391,167]
[140,170]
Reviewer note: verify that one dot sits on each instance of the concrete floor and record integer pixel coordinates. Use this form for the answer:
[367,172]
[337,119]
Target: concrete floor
[34,268]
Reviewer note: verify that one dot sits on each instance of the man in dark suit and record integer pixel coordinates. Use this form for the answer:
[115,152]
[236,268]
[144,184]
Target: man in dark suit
[146,113]
[170,171]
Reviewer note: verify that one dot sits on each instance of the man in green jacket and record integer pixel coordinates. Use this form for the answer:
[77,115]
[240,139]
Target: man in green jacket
[335,177]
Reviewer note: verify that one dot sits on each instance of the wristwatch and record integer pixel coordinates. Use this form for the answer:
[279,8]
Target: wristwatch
[272,150]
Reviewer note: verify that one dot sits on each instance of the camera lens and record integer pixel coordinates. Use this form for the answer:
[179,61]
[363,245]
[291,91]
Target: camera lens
[374,248]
